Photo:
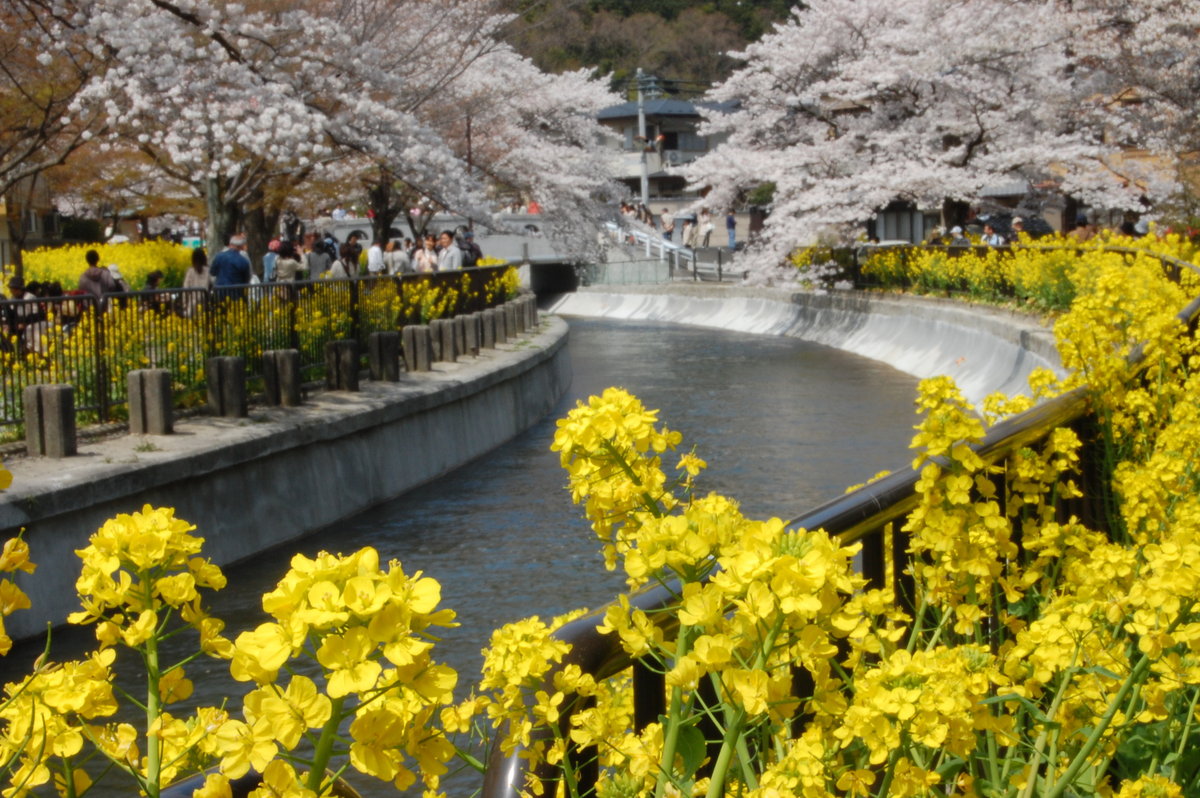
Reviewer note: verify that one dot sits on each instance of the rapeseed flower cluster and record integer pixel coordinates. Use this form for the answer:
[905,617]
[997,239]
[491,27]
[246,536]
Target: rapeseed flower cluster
[1033,651]
[14,557]
[376,695]
[65,264]
[1046,274]
[140,583]
[370,630]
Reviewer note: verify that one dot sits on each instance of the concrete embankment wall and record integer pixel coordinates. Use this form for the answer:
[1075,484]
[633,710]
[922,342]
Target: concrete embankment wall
[253,484]
[984,349]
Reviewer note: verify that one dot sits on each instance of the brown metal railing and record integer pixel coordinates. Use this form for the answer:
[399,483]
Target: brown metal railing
[863,515]
[92,344]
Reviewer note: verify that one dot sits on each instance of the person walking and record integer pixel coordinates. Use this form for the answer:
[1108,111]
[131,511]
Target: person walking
[472,254]
[731,229]
[450,257]
[317,260]
[375,265]
[97,280]
[196,277]
[426,258]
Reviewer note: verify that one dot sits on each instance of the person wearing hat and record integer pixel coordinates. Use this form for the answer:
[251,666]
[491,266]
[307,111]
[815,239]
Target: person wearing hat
[1018,227]
[472,254]
[119,279]
[230,266]
[957,238]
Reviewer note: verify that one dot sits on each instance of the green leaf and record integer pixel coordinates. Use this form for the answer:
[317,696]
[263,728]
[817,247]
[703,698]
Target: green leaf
[692,747]
[1031,707]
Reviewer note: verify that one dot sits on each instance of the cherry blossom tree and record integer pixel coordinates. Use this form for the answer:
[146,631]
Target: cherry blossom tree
[512,129]
[245,103]
[43,67]
[1141,61]
[853,104]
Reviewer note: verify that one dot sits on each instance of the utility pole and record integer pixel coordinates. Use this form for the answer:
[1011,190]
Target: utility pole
[642,138]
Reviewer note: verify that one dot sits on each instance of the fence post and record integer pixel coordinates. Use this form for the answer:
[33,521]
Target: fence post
[470,329]
[445,341]
[500,325]
[226,378]
[50,420]
[487,337]
[102,398]
[281,377]
[719,276]
[354,320]
[383,352]
[418,349]
[149,397]
[341,365]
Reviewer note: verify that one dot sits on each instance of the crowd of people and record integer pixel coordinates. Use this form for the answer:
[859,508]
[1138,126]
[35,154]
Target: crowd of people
[696,232]
[321,256]
[24,325]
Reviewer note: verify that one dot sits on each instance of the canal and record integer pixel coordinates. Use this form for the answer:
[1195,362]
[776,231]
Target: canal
[783,424]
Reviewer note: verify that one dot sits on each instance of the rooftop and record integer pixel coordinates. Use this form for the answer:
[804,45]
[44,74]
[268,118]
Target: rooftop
[664,107]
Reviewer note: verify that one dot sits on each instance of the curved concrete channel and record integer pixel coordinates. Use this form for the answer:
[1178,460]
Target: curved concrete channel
[984,349]
[257,483]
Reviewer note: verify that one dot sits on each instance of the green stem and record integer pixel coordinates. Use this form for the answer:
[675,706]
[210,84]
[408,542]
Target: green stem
[1067,673]
[748,775]
[673,721]
[153,710]
[324,747]
[1183,738]
[918,616]
[733,731]
[1077,764]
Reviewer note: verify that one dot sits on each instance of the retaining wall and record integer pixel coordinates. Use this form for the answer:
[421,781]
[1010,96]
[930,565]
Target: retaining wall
[253,484]
[984,349]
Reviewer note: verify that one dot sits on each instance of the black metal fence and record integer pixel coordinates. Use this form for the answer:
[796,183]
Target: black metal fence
[93,344]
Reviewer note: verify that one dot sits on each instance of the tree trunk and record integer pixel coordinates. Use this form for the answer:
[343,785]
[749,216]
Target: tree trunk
[261,225]
[14,216]
[222,215]
[384,204]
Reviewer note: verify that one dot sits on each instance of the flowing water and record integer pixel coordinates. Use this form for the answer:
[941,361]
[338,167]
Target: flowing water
[783,425]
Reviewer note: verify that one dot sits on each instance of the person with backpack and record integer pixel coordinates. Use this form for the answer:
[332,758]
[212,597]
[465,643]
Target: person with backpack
[471,253]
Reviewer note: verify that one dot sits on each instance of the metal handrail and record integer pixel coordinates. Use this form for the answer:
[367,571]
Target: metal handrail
[656,245]
[860,515]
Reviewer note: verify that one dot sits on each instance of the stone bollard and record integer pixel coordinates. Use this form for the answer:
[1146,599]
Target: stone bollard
[520,316]
[531,312]
[341,365]
[383,353]
[510,319]
[418,347]
[470,325]
[49,420]
[444,340]
[150,402]
[281,377]
[460,335]
[487,329]
[226,378]
[500,324]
